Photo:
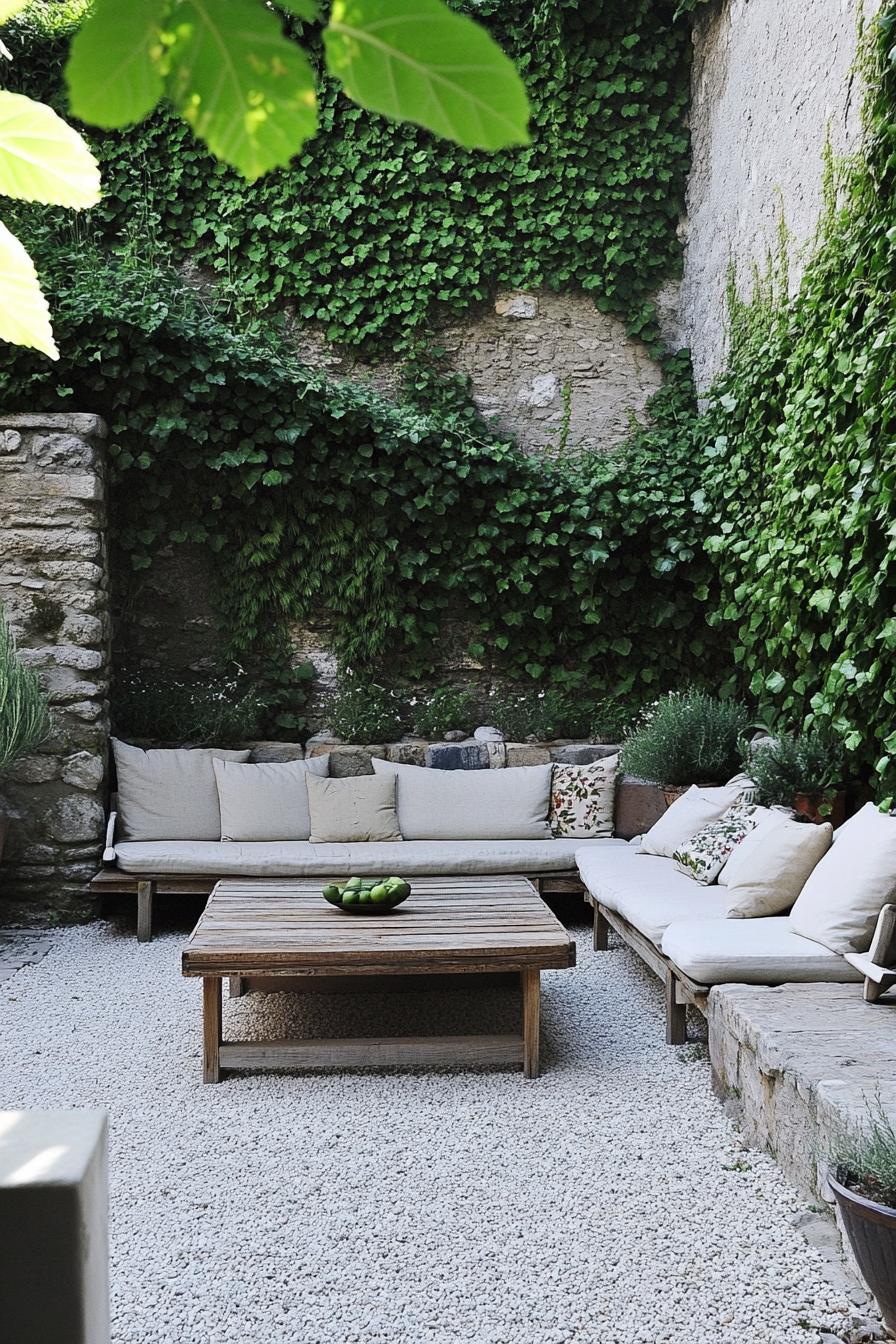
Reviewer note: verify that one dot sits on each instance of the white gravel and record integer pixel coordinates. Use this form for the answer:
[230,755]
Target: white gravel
[610,1202]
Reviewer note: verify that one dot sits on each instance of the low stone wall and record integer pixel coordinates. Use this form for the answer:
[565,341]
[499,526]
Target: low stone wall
[799,1064]
[54,586]
[468,754]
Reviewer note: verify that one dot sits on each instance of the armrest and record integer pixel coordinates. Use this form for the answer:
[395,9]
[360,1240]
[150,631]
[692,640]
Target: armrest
[109,850]
[882,951]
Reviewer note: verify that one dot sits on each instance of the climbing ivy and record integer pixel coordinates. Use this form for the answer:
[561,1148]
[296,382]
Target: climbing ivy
[397,519]
[801,481]
[378,230]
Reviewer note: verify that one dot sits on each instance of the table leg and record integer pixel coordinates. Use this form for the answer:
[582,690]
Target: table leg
[531,986]
[211,1029]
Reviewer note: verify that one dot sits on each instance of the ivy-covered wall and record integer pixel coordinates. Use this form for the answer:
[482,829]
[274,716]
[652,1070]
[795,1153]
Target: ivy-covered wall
[800,466]
[424,534]
[378,229]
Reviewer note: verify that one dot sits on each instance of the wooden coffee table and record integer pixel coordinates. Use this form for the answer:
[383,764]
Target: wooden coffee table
[463,925]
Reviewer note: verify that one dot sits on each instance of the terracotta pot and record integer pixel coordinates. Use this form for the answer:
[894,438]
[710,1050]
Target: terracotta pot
[673,791]
[871,1229]
[809,805]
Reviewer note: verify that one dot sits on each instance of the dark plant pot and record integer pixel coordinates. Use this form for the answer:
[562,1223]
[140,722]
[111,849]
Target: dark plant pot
[871,1229]
[4,827]
[810,805]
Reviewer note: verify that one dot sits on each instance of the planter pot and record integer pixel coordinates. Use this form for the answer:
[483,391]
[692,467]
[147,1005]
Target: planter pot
[871,1229]
[4,827]
[673,791]
[810,804]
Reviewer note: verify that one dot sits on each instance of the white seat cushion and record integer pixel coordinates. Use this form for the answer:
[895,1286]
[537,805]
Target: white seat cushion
[299,858]
[751,952]
[648,891]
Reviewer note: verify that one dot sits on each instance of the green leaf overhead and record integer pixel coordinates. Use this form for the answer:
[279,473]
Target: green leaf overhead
[309,10]
[43,159]
[123,42]
[245,89]
[24,315]
[416,60]
[10,7]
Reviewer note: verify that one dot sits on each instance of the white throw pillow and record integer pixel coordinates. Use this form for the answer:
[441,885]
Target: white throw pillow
[840,903]
[267,800]
[768,870]
[582,798]
[169,795]
[705,854]
[503,804]
[687,815]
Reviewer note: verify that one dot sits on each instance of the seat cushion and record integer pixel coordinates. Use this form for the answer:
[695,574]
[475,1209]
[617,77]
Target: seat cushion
[299,858]
[751,952]
[648,891]
[471,804]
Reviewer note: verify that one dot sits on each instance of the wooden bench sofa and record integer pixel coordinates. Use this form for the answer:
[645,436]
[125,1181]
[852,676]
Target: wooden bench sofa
[680,930]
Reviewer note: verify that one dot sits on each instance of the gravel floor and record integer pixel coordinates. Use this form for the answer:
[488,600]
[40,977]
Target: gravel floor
[609,1202]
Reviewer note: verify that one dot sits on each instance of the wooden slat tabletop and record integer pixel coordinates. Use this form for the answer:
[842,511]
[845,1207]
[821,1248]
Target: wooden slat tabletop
[272,926]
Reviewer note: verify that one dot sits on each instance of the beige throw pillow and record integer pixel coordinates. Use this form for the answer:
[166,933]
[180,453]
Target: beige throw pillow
[687,815]
[348,811]
[506,804]
[266,800]
[582,798]
[769,869]
[169,795]
[840,903]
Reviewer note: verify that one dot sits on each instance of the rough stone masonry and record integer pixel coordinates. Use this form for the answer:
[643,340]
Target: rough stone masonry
[54,586]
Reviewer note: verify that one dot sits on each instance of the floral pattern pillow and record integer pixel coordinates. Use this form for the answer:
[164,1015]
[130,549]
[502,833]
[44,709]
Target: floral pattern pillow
[705,854]
[582,799]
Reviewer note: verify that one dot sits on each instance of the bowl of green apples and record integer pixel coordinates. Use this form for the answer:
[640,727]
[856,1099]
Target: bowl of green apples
[367,895]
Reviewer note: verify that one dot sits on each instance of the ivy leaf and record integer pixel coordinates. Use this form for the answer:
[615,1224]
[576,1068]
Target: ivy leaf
[43,159]
[303,9]
[124,42]
[416,60]
[245,89]
[24,315]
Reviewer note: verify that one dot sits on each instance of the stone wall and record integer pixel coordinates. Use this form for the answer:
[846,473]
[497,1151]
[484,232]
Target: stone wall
[771,83]
[54,586]
[535,360]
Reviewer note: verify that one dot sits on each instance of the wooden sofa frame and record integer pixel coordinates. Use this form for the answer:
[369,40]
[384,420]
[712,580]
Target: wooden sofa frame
[110,880]
[680,988]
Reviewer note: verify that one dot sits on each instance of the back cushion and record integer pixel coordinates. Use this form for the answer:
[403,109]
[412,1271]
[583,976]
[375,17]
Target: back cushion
[688,815]
[508,804]
[268,800]
[169,795]
[845,893]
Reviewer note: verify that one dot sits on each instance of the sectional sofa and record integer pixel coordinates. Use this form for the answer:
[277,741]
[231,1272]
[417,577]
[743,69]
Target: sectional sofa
[680,930]
[169,833]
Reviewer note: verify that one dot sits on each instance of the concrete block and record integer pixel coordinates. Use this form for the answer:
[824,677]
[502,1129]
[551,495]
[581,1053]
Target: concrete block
[54,1269]
[457,756]
[582,753]
[277,751]
[527,753]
